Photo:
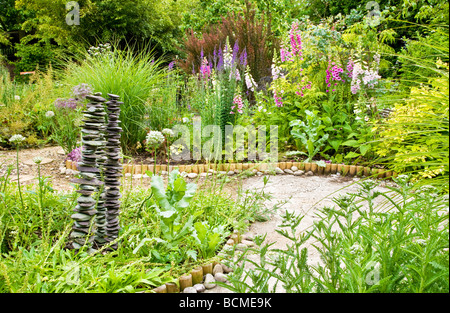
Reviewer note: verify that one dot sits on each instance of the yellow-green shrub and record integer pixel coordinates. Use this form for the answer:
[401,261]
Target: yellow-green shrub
[415,137]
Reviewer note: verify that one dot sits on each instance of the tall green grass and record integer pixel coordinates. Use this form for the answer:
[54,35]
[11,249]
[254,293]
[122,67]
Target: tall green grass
[9,89]
[132,76]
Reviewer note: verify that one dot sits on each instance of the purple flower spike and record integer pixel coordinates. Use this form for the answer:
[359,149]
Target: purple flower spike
[235,52]
[243,58]
[220,63]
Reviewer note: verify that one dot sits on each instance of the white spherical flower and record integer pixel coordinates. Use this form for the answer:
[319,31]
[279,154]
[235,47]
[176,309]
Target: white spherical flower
[154,138]
[37,160]
[49,114]
[168,132]
[17,139]
[17,98]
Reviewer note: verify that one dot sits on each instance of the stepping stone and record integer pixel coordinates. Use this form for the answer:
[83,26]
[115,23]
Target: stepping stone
[23,178]
[44,161]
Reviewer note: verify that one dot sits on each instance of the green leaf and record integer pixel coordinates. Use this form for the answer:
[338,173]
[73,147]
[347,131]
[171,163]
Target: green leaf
[364,149]
[192,254]
[352,155]
[350,143]
[159,193]
[335,144]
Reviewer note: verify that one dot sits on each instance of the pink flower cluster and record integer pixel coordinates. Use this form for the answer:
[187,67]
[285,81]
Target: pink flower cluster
[296,40]
[333,74]
[278,98]
[307,86]
[205,69]
[295,48]
[350,65]
[369,78]
[237,101]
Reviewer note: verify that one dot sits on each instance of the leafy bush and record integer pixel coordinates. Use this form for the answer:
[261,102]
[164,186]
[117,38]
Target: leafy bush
[33,56]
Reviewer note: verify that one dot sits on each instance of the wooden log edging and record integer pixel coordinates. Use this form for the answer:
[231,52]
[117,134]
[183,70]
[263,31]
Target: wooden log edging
[197,280]
[279,168]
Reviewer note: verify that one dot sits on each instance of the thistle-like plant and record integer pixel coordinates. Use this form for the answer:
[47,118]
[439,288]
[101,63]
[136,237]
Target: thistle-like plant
[309,133]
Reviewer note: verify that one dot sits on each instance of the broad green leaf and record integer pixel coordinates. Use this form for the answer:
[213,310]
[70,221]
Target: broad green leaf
[352,155]
[335,144]
[350,143]
[364,149]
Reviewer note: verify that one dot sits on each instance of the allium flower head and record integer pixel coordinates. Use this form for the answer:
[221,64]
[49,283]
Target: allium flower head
[38,160]
[66,104]
[154,138]
[74,155]
[81,91]
[17,139]
[168,132]
[49,114]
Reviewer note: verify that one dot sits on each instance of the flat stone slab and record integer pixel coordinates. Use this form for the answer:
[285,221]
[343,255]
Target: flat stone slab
[44,161]
[23,178]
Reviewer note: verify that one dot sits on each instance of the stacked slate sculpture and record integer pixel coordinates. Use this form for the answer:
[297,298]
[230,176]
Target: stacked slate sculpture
[100,217]
[100,170]
[113,169]
[94,120]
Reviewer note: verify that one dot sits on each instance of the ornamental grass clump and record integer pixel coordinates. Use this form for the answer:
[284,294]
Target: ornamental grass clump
[132,76]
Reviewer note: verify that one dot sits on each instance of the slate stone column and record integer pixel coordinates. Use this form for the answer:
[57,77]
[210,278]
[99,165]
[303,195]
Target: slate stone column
[100,217]
[93,124]
[112,169]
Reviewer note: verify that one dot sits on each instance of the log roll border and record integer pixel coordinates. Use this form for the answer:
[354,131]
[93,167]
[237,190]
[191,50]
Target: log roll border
[292,168]
[198,273]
